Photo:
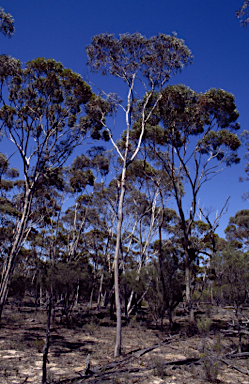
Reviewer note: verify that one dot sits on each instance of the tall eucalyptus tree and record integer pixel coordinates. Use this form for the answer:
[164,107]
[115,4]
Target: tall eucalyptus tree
[192,137]
[44,118]
[137,61]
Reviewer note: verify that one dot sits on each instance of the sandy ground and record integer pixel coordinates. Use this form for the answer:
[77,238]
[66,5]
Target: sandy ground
[22,338]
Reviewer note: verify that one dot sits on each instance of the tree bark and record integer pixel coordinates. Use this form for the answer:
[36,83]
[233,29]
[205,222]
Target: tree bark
[9,262]
[117,349]
[144,250]
[100,287]
[91,299]
[188,289]
[77,295]
[46,346]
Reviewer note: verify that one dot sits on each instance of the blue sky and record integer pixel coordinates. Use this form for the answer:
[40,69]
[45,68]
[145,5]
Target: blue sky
[61,29]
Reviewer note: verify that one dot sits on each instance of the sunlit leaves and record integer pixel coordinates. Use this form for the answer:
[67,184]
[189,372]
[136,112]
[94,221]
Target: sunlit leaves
[6,23]
[237,230]
[155,58]
[47,103]
[81,171]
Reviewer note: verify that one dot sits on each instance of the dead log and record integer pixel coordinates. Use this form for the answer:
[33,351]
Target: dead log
[109,375]
[229,332]
[98,372]
[235,367]
[236,355]
[117,367]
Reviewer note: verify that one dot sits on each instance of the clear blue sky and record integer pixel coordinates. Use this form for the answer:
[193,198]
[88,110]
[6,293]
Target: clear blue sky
[61,29]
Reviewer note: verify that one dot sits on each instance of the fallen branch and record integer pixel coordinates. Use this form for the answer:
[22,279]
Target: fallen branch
[146,350]
[98,372]
[108,375]
[229,332]
[235,367]
[233,355]
[116,368]
[236,355]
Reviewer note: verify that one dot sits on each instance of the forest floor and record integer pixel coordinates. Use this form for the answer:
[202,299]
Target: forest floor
[149,356]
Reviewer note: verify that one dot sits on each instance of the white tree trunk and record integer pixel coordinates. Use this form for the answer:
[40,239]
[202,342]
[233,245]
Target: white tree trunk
[117,349]
[9,262]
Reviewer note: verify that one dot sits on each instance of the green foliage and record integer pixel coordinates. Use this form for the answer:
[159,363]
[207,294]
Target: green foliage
[47,90]
[42,116]
[39,344]
[159,369]
[18,285]
[203,325]
[192,114]
[232,272]
[237,230]
[6,23]
[81,171]
[65,277]
[129,282]
[173,281]
[191,136]
[211,367]
[50,110]
[155,57]
[9,207]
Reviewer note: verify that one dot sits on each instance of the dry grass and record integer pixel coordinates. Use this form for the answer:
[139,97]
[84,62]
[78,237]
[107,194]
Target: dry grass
[22,340]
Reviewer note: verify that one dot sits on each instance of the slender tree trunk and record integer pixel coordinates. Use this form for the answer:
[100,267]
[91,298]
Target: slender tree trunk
[188,289]
[143,253]
[112,301]
[129,309]
[170,318]
[103,299]
[46,345]
[9,262]
[41,298]
[239,328]
[117,349]
[91,299]
[77,295]
[36,292]
[211,293]
[126,303]
[100,287]
[160,259]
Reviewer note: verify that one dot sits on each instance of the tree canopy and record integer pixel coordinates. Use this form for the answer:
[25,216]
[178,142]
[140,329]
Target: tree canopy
[6,23]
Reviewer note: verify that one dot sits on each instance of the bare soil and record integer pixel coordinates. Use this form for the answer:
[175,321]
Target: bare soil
[22,336]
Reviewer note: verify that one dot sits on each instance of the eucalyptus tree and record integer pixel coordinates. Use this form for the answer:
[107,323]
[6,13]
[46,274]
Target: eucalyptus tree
[82,177]
[237,231]
[8,207]
[243,13]
[192,137]
[6,23]
[135,60]
[143,207]
[165,288]
[231,267]
[105,201]
[9,66]
[44,118]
